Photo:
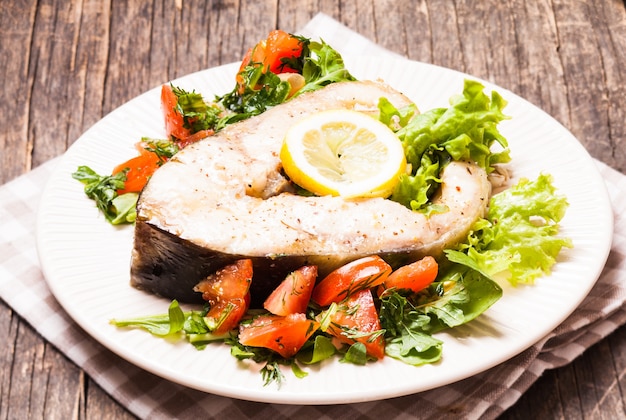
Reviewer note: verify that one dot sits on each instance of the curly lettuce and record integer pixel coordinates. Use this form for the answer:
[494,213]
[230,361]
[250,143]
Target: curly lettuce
[518,237]
[466,130]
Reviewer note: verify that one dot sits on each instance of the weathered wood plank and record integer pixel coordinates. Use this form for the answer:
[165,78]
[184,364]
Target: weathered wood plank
[66,64]
[99,405]
[41,385]
[609,23]
[16,31]
[8,334]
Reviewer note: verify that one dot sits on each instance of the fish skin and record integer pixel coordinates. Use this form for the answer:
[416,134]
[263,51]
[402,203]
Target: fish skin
[225,198]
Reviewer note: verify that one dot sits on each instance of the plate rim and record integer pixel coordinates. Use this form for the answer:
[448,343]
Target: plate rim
[262,396]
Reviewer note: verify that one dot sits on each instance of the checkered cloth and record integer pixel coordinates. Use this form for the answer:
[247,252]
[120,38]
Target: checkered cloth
[485,395]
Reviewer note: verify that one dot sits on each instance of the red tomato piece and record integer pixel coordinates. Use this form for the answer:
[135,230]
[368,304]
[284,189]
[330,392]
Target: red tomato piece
[173,119]
[192,138]
[293,294]
[140,169]
[225,315]
[360,274]
[231,282]
[227,291]
[415,276]
[356,320]
[283,334]
[281,45]
[270,52]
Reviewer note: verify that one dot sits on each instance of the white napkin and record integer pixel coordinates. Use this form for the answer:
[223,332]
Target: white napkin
[486,395]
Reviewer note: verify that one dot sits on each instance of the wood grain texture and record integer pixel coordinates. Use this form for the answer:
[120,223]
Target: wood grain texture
[66,64]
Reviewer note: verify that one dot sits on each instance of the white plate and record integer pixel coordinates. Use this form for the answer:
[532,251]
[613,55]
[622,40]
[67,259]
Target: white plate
[86,260]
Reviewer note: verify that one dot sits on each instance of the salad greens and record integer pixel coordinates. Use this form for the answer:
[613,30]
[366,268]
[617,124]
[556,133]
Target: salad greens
[519,233]
[198,115]
[466,130]
[517,239]
[261,90]
[103,190]
[319,64]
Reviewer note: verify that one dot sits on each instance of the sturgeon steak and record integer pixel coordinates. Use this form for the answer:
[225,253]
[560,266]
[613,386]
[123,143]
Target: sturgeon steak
[225,198]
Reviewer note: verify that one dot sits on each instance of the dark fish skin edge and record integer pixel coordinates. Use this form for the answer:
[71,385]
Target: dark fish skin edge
[167,265]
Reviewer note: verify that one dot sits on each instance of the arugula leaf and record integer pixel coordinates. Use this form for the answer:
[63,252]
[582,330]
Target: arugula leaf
[321,348]
[415,348]
[519,234]
[406,336]
[463,294]
[159,325]
[459,295]
[356,355]
[116,208]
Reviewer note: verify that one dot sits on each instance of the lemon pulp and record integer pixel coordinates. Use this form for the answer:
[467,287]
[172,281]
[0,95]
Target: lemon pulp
[343,153]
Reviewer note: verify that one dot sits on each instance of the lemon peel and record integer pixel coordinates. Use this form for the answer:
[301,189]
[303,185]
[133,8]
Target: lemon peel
[343,153]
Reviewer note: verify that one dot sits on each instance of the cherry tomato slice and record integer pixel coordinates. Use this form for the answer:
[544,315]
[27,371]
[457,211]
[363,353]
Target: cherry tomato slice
[283,334]
[356,320]
[231,282]
[281,45]
[140,169]
[360,274]
[270,52]
[227,291]
[173,119]
[293,294]
[225,315]
[415,276]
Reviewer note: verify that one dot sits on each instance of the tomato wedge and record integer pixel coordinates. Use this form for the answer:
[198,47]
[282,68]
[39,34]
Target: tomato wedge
[174,124]
[225,315]
[415,276]
[283,334]
[230,282]
[356,320]
[270,53]
[281,46]
[227,291]
[140,169]
[293,294]
[174,121]
[357,275]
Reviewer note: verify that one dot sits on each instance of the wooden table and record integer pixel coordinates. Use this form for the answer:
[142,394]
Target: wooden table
[66,64]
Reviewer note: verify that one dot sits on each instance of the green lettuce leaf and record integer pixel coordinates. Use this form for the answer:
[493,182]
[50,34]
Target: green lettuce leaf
[323,65]
[519,236]
[466,130]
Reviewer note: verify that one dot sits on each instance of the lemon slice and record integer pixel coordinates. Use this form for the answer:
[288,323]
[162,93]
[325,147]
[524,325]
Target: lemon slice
[343,153]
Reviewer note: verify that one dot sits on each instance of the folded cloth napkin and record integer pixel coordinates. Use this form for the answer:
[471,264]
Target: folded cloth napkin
[485,395]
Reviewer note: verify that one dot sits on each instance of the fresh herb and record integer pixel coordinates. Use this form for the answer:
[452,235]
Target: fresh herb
[164,149]
[198,115]
[116,208]
[459,295]
[262,89]
[271,371]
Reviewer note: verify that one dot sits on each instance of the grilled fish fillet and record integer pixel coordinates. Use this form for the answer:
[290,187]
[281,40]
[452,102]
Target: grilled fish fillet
[225,198]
